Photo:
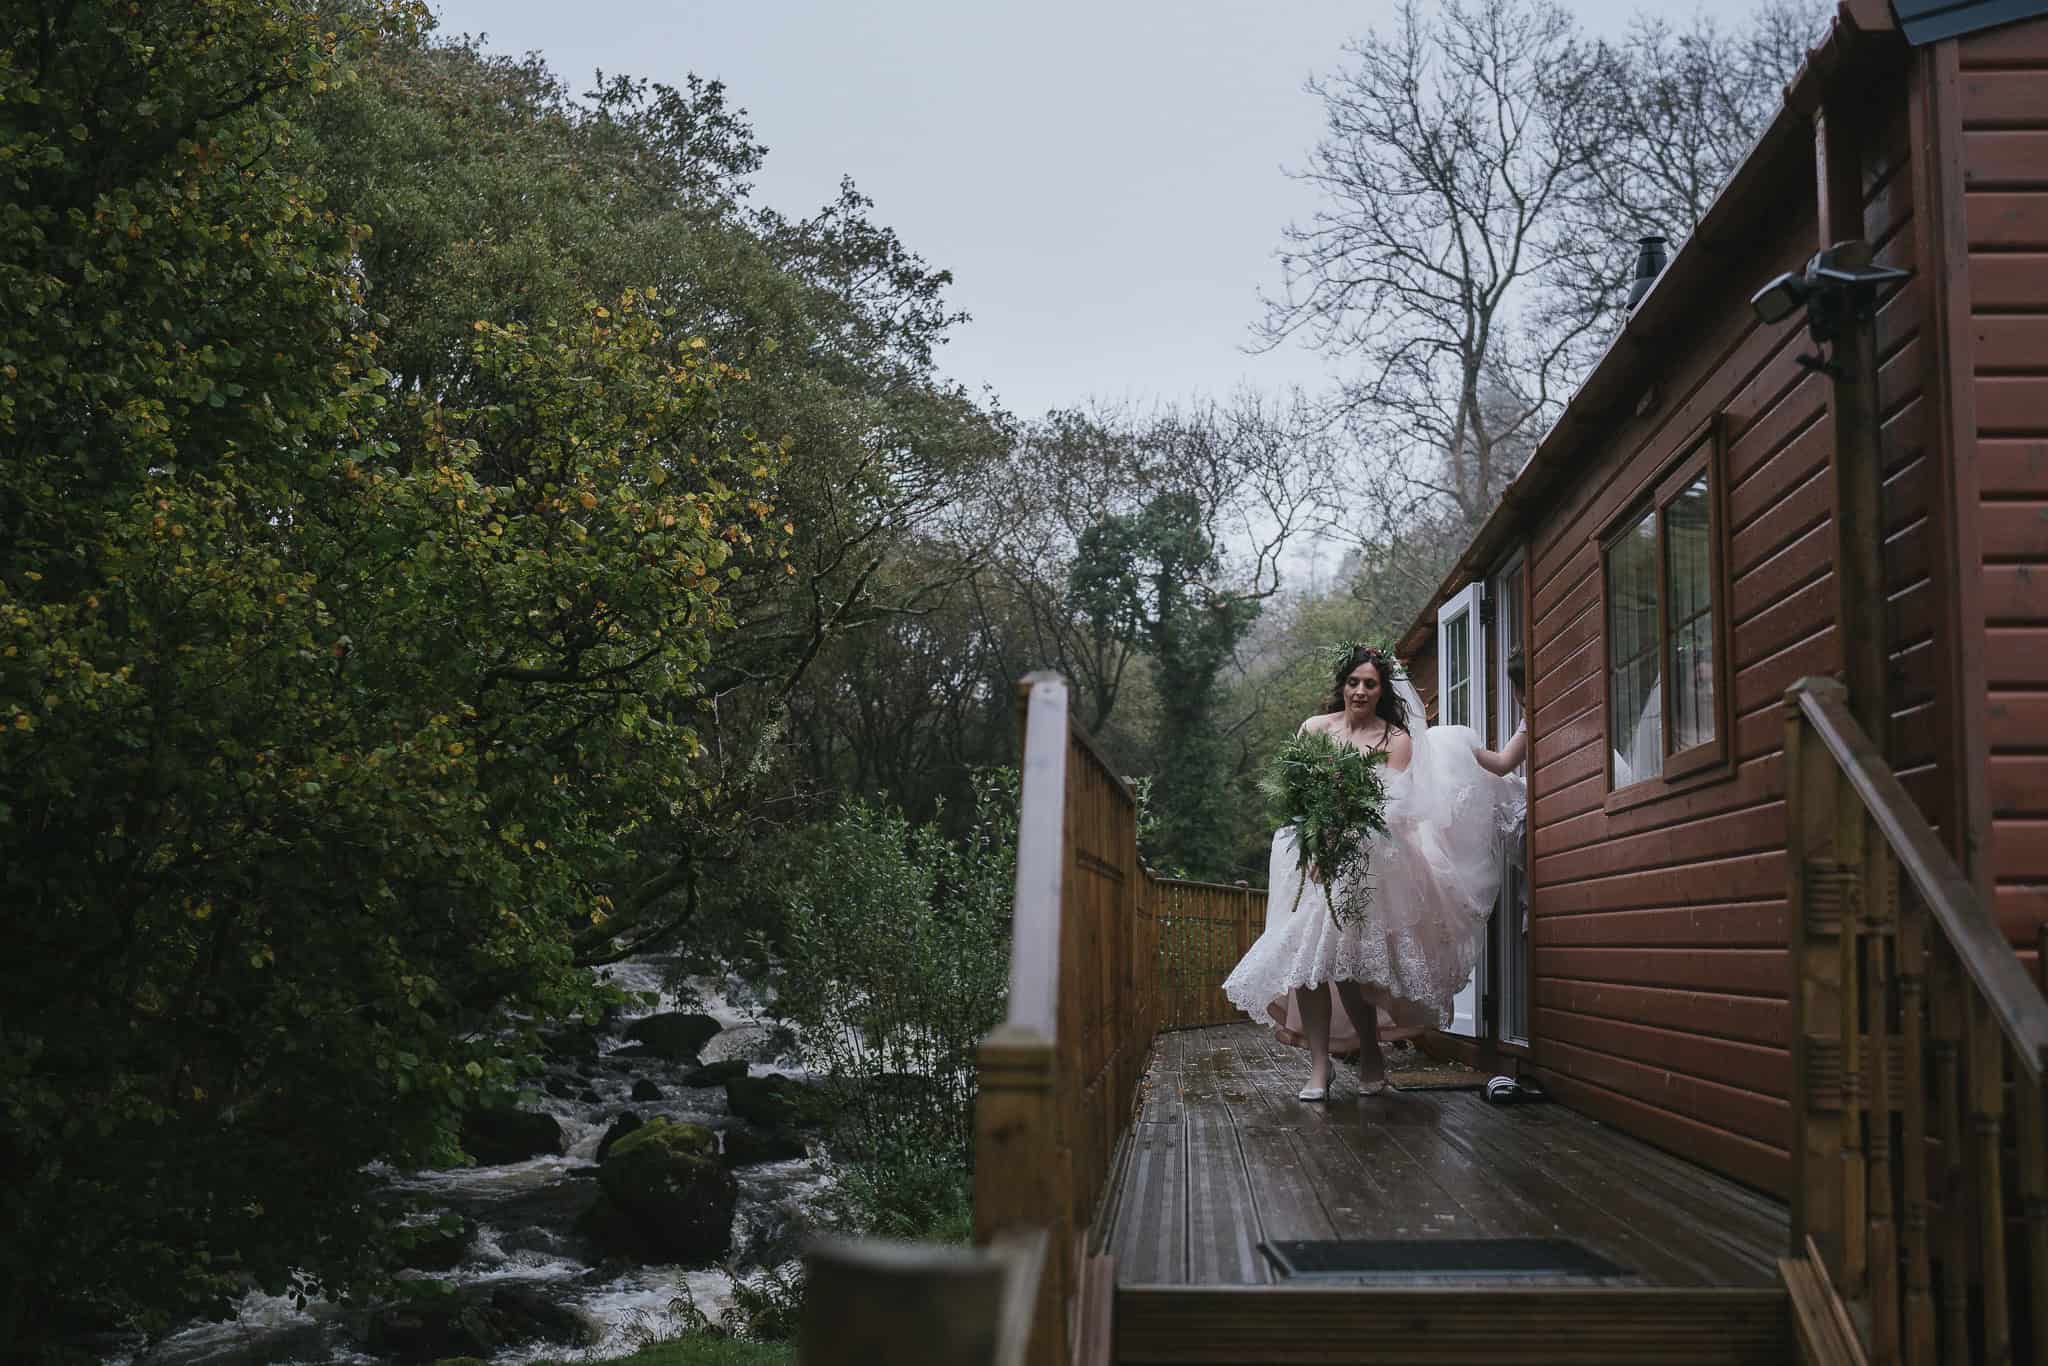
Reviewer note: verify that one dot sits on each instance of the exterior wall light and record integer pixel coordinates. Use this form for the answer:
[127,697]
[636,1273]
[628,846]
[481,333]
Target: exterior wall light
[1837,286]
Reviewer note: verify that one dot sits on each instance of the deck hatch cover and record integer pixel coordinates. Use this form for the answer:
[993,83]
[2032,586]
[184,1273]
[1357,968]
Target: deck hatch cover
[1460,1258]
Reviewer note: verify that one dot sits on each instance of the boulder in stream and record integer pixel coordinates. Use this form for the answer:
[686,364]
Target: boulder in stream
[751,1043]
[778,1102]
[436,1246]
[665,1183]
[715,1073]
[746,1148]
[674,1035]
[577,1039]
[495,1137]
[435,1322]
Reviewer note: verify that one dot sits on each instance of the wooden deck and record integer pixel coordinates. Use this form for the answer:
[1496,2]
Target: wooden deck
[1224,1157]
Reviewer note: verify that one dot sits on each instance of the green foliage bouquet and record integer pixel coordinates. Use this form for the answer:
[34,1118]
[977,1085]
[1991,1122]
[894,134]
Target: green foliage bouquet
[1334,796]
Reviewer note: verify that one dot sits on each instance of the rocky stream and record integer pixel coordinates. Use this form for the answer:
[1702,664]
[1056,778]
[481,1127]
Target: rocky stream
[664,1147]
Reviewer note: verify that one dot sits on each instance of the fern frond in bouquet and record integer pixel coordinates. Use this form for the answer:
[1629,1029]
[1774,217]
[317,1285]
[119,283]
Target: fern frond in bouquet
[1335,796]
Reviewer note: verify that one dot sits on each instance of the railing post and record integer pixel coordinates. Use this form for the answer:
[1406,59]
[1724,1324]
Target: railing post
[1019,1174]
[1946,1016]
[1917,1340]
[1021,1171]
[2031,1151]
[915,1304]
[1987,1104]
[1875,931]
[1820,1072]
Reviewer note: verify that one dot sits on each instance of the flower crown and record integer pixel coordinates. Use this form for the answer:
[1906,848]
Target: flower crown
[1338,653]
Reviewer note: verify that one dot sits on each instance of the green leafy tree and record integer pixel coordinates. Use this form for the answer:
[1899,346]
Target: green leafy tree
[1152,577]
[495,194]
[324,703]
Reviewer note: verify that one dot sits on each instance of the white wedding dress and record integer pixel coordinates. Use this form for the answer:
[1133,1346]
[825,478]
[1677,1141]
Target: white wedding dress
[1415,911]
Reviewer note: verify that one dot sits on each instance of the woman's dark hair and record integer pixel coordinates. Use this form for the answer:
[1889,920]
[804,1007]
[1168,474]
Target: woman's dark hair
[1391,708]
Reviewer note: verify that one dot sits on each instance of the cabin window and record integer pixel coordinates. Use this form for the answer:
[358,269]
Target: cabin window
[1633,677]
[1460,657]
[1665,682]
[1458,675]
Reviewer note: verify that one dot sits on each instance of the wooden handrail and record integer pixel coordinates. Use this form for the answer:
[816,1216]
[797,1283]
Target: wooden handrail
[1237,888]
[2015,1002]
[1919,1136]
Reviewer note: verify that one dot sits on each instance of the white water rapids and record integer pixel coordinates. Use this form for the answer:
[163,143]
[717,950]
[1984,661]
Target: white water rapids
[523,1211]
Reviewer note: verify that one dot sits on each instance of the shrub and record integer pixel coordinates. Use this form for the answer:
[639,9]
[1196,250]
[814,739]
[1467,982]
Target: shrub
[894,965]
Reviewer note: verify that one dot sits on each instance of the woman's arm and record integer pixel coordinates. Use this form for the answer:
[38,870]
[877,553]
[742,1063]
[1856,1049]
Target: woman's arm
[1509,756]
[1400,749]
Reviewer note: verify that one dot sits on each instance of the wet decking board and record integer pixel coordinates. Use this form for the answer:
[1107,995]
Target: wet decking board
[1224,1157]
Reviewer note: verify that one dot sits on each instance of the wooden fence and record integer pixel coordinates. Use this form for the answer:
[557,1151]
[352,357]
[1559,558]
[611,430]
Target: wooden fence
[1919,1048]
[1202,929]
[1059,1076]
[1103,957]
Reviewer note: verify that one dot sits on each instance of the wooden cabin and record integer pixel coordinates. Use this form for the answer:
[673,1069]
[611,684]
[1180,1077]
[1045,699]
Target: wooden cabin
[1716,517]
[1771,941]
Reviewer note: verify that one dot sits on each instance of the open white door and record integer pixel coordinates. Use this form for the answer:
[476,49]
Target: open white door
[1461,701]
[1510,937]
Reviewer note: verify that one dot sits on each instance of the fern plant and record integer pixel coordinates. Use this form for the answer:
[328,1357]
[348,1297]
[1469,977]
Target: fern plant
[1335,796]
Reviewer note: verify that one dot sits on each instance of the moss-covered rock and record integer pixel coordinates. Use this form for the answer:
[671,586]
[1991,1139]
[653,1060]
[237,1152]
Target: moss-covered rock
[625,1124]
[438,1246]
[668,1183]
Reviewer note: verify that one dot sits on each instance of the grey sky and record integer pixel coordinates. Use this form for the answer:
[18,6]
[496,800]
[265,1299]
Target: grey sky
[1103,179]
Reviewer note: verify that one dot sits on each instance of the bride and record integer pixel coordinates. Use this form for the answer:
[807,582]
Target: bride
[1412,912]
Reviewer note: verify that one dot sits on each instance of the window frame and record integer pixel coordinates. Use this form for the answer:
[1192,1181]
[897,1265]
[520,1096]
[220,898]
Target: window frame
[1704,451]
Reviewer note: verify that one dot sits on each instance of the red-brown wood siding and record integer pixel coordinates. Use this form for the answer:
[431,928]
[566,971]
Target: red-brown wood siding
[1422,673]
[1659,929]
[2004,114]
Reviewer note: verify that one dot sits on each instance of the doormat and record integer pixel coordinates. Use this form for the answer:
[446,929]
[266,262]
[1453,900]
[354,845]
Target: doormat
[1432,1074]
[1411,1069]
[1460,1258]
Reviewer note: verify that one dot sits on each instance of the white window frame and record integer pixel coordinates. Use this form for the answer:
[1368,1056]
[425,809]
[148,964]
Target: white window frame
[1461,614]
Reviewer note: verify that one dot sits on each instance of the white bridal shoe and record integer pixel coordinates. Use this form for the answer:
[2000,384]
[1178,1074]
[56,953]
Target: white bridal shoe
[1313,1093]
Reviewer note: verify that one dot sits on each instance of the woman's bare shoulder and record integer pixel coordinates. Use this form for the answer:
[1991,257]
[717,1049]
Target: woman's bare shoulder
[1320,721]
[1400,749]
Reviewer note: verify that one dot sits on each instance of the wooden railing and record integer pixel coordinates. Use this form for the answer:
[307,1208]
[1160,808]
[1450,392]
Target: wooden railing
[1103,957]
[1919,1043]
[1059,1076]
